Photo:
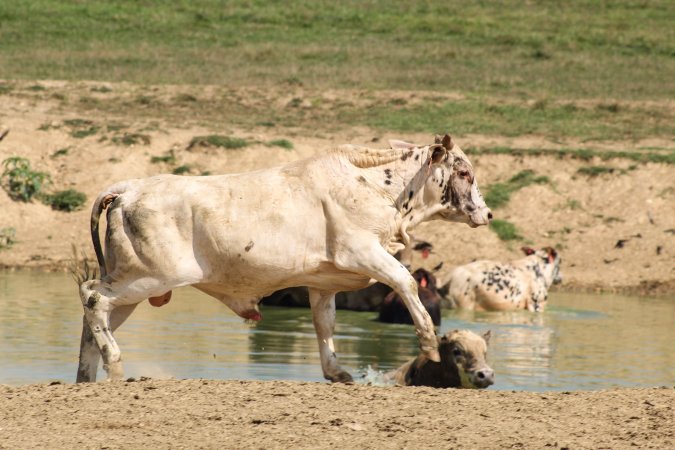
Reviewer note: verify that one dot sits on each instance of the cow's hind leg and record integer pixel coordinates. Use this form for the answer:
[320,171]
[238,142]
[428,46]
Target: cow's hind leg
[323,316]
[89,352]
[97,299]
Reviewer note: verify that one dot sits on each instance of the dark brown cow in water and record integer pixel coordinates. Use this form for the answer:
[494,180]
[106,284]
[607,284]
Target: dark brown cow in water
[463,364]
[393,309]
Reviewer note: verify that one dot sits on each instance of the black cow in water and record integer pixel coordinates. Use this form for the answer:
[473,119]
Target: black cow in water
[393,310]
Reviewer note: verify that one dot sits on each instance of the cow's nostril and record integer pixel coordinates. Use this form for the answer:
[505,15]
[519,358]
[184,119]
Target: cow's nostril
[481,375]
[489,216]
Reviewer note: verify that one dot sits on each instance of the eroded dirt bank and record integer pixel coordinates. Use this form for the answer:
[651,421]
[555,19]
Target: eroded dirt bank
[612,221]
[248,414]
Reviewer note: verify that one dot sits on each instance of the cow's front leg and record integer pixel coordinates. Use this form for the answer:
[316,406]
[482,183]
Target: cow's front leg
[374,261]
[323,316]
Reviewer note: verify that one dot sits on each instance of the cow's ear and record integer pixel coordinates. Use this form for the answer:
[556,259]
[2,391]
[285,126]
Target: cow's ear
[487,335]
[527,250]
[438,153]
[396,144]
[551,254]
[447,142]
[438,139]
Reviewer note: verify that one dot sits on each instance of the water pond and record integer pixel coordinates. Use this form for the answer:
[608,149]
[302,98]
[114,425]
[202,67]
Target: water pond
[580,342]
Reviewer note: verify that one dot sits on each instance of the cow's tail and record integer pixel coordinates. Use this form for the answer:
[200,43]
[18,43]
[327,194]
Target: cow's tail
[102,201]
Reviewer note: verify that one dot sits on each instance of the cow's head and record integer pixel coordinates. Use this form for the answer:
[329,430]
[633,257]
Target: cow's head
[467,351]
[452,183]
[549,260]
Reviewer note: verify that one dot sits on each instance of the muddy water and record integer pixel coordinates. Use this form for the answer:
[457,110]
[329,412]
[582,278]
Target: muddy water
[580,342]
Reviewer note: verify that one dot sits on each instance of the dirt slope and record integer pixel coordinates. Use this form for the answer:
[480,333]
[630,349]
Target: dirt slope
[583,216]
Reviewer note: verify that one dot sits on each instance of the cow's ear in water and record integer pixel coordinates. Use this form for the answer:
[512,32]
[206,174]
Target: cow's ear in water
[527,250]
[438,152]
[487,335]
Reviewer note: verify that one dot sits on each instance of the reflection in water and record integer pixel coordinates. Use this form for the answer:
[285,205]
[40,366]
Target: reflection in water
[580,342]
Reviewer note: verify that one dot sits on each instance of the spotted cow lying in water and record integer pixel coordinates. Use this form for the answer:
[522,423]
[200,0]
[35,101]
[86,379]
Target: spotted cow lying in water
[331,222]
[463,364]
[494,286]
[393,310]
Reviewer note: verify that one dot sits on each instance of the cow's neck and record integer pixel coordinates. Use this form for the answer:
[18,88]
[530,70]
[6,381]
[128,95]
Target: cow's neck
[401,176]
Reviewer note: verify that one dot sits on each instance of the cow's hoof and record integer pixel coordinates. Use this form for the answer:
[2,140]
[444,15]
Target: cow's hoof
[341,377]
[115,371]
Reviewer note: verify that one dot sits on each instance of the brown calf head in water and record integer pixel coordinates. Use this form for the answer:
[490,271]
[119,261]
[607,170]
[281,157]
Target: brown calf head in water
[463,364]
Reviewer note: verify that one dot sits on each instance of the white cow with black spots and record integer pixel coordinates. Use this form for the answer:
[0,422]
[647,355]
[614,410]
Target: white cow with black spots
[494,286]
[331,222]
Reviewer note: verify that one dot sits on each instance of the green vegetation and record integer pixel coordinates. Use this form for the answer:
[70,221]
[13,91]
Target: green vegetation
[131,139]
[667,157]
[215,140]
[621,49]
[20,181]
[180,170]
[499,194]
[7,237]
[594,171]
[169,158]
[506,231]
[81,128]
[60,152]
[283,143]
[68,200]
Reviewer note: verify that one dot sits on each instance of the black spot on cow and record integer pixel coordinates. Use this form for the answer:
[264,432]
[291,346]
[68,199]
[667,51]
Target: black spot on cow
[249,246]
[407,155]
[417,157]
[410,195]
[387,173]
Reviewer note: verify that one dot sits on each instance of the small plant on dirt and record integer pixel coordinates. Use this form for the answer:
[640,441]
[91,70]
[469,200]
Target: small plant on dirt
[594,171]
[283,143]
[170,158]
[131,139]
[499,194]
[20,181]
[36,87]
[185,98]
[101,89]
[60,152]
[180,170]
[215,140]
[506,231]
[7,237]
[81,128]
[68,200]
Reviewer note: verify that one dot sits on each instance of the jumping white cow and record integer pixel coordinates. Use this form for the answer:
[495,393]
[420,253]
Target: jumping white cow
[493,286]
[331,222]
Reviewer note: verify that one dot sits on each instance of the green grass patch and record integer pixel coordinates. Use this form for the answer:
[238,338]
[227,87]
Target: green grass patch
[68,200]
[594,171]
[131,139]
[215,140]
[499,194]
[667,157]
[506,231]
[181,170]
[169,158]
[580,49]
[60,152]
[283,143]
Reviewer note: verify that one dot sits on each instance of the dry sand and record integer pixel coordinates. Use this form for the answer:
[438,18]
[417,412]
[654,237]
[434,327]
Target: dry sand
[238,414]
[584,217]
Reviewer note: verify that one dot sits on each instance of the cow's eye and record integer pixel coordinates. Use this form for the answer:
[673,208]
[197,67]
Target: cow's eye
[463,173]
[457,352]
